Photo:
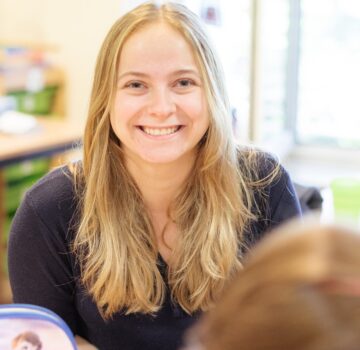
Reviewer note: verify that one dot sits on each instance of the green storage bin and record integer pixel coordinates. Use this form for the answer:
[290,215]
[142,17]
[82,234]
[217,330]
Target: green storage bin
[15,193]
[19,178]
[7,225]
[346,197]
[35,102]
[19,171]
[5,237]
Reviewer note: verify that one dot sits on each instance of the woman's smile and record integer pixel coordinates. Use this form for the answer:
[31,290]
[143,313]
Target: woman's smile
[160,132]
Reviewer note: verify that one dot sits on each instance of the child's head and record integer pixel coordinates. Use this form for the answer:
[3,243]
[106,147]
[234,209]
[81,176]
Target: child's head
[300,289]
[26,341]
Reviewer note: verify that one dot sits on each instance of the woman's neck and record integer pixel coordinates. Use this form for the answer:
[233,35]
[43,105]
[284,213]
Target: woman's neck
[160,183]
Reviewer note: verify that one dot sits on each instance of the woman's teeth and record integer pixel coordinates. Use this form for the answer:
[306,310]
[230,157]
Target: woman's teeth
[158,132]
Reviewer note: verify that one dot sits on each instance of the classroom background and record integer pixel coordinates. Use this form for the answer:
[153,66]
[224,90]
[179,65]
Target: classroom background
[292,71]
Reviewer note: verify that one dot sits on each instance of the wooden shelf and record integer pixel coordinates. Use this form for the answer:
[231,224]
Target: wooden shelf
[51,134]
[52,137]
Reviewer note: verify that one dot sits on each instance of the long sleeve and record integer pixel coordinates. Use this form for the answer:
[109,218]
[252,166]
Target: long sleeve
[40,264]
[283,201]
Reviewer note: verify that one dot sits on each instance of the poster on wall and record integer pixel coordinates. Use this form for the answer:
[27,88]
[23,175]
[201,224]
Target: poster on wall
[210,12]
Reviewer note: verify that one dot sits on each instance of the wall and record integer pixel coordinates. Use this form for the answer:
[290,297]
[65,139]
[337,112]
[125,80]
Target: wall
[75,28]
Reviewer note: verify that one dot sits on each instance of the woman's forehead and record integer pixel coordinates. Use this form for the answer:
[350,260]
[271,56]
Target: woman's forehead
[157,46]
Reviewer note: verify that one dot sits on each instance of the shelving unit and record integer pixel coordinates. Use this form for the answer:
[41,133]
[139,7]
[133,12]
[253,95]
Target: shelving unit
[37,87]
[53,137]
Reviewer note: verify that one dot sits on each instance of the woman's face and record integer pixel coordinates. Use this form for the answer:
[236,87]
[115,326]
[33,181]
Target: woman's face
[160,113]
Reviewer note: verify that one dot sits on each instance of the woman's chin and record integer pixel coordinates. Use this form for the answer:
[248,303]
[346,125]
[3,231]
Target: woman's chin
[165,158]
[160,160]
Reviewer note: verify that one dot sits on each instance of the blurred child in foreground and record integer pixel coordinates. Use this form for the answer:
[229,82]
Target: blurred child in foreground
[300,289]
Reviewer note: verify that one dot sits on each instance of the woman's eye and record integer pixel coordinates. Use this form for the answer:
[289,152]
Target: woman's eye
[134,85]
[185,83]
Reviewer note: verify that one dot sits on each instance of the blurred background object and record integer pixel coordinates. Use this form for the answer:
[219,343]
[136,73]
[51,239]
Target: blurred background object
[346,196]
[34,122]
[31,79]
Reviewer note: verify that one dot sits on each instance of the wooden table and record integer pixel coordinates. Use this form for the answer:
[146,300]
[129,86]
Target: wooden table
[51,137]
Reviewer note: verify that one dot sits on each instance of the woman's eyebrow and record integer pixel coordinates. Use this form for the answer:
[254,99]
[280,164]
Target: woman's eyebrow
[133,73]
[186,71]
[175,73]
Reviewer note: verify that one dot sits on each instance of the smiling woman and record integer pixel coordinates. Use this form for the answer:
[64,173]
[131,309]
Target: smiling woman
[160,112]
[132,243]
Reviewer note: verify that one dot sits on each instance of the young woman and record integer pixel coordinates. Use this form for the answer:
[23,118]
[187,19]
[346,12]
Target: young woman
[130,245]
[299,290]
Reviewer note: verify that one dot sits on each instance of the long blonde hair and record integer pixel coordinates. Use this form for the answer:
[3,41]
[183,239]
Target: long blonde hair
[115,243]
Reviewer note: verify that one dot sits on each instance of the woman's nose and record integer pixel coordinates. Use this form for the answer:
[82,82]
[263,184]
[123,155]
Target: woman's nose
[161,104]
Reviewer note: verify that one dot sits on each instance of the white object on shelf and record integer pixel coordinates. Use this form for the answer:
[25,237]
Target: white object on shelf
[7,103]
[13,122]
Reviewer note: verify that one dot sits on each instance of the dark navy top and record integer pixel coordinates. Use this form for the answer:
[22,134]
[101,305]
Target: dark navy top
[44,272]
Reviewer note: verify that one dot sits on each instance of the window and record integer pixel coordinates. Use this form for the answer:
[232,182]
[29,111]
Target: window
[329,73]
[231,37]
[270,82]
[274,56]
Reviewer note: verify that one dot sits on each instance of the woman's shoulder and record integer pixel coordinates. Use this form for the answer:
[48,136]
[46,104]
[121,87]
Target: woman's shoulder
[53,195]
[56,184]
[258,165]
[264,173]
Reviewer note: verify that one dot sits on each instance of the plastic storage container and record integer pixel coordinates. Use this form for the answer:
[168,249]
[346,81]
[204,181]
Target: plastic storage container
[39,103]
[346,197]
[24,326]
[19,178]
